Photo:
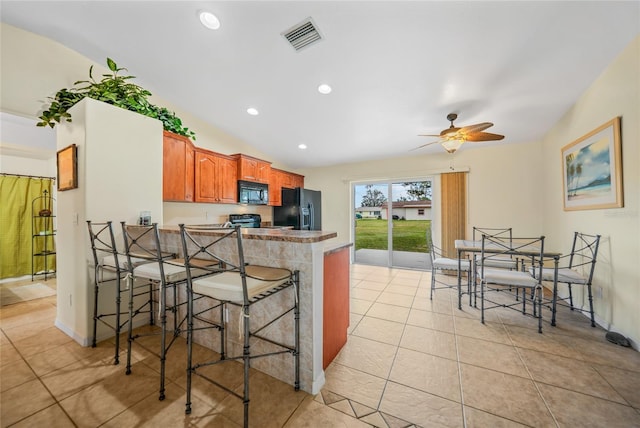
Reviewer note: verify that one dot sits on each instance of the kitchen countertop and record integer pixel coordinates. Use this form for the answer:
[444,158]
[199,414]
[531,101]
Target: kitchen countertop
[273,234]
[334,247]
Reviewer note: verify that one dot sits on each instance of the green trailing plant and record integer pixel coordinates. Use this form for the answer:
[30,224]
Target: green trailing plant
[113,89]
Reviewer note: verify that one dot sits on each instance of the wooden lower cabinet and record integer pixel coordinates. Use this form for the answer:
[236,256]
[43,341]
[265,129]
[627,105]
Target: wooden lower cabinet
[336,303]
[215,178]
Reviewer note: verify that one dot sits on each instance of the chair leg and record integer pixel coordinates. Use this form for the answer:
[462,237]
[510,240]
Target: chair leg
[539,309]
[162,291]
[223,337]
[593,320]
[95,308]
[189,346]
[433,283]
[246,357]
[116,359]
[482,301]
[570,296]
[130,327]
[296,320]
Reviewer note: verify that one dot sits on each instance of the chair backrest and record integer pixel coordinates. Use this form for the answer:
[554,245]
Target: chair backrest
[103,242]
[584,251]
[143,242]
[496,247]
[434,251]
[223,245]
[492,232]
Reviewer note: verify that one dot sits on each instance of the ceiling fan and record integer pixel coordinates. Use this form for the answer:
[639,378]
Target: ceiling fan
[453,137]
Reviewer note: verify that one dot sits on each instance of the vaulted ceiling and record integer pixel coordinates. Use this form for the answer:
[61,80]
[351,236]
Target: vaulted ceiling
[396,68]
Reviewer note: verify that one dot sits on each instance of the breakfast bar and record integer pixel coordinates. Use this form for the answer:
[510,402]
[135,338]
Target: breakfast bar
[301,250]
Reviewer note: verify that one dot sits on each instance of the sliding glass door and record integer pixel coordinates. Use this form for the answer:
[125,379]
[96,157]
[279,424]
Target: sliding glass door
[391,220]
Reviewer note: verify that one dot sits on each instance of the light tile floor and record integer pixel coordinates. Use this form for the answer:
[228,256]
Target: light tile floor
[409,361]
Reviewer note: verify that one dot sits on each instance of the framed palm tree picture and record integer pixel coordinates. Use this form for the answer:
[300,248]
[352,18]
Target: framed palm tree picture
[592,170]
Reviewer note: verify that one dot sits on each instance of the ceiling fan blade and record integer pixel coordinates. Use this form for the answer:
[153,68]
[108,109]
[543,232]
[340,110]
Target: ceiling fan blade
[484,136]
[449,131]
[476,128]
[425,145]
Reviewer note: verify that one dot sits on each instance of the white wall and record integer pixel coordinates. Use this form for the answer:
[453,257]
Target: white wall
[615,93]
[119,175]
[498,196]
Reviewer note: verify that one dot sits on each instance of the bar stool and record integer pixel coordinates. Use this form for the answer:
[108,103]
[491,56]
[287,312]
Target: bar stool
[233,282]
[161,271]
[108,269]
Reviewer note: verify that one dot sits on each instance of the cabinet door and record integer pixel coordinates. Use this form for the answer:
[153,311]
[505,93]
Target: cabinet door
[252,169]
[275,188]
[336,304]
[177,168]
[263,172]
[206,173]
[227,180]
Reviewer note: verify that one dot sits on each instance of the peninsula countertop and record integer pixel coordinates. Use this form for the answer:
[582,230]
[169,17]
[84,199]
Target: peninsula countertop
[272,234]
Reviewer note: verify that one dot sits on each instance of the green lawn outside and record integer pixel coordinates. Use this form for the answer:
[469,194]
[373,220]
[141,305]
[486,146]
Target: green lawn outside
[408,235]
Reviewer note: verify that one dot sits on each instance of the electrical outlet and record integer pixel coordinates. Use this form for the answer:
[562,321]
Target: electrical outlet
[70,300]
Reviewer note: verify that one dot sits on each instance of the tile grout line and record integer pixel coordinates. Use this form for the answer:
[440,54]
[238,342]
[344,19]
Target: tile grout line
[535,384]
[56,402]
[455,338]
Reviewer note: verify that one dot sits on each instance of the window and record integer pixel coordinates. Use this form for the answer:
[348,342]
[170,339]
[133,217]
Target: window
[420,211]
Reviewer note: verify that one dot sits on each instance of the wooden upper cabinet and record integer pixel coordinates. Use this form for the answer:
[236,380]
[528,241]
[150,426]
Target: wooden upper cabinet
[291,180]
[215,177]
[252,169]
[228,180]
[178,168]
[280,179]
[275,187]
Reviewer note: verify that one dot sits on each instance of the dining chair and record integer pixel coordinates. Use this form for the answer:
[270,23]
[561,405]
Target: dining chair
[109,270]
[160,272]
[231,282]
[445,266]
[506,233]
[578,269]
[495,280]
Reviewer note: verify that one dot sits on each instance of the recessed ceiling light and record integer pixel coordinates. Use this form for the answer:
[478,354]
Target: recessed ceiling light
[302,146]
[252,111]
[209,20]
[324,89]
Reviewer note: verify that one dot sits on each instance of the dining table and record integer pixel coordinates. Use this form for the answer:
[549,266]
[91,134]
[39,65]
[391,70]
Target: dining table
[465,246]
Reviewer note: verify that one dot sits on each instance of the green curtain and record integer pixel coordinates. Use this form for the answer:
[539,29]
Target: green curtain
[16,219]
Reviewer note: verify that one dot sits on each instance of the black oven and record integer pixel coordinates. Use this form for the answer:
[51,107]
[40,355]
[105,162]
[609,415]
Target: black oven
[252,193]
[245,220]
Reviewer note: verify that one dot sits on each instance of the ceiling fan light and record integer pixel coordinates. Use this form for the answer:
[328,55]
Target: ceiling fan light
[452,145]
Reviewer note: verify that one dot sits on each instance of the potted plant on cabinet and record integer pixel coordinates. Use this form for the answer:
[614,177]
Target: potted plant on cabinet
[113,89]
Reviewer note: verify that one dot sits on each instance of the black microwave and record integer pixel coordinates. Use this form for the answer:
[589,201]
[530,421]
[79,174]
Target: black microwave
[253,193]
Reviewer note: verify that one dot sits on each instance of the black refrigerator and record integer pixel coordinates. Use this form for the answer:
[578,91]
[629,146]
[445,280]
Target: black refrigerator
[301,208]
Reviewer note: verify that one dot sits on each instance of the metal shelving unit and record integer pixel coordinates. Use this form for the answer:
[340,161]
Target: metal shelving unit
[43,232]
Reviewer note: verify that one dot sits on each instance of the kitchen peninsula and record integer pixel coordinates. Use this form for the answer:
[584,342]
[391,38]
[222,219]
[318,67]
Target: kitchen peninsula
[304,251]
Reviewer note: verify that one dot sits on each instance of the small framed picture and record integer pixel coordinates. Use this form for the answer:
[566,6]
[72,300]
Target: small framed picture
[67,161]
[592,170]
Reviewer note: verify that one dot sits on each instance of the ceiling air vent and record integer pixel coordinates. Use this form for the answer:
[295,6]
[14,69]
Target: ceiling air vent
[302,35]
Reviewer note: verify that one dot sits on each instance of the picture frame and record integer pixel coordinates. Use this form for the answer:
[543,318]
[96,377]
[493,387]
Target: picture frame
[592,169]
[67,165]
